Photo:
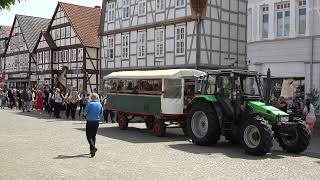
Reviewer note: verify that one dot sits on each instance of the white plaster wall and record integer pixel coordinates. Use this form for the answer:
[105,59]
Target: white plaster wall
[313,18]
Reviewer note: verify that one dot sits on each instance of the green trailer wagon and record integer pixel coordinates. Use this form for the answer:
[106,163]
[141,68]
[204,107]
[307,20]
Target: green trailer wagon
[160,97]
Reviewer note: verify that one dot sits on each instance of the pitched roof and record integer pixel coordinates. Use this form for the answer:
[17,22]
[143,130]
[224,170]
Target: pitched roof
[85,21]
[31,27]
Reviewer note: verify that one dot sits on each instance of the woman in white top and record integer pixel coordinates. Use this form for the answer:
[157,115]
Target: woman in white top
[309,112]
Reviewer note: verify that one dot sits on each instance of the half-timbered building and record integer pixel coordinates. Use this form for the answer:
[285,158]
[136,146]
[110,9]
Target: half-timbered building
[71,41]
[4,36]
[152,34]
[19,62]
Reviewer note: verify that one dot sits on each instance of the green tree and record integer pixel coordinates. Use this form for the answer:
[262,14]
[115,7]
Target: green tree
[6,4]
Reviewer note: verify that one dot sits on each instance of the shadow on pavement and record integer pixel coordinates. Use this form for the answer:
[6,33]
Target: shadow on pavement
[233,151]
[224,148]
[71,157]
[137,135]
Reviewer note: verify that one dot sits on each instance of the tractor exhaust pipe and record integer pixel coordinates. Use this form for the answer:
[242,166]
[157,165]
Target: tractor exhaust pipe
[268,88]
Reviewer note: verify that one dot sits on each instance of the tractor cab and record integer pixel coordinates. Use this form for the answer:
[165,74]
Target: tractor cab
[234,85]
[233,89]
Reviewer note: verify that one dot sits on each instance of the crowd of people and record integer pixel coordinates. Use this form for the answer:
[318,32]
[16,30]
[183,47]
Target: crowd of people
[55,101]
[45,100]
[298,108]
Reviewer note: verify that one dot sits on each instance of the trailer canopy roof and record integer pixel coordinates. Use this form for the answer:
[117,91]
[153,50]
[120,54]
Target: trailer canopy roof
[156,74]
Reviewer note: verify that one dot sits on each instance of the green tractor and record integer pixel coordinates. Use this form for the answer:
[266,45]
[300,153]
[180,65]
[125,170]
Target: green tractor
[230,103]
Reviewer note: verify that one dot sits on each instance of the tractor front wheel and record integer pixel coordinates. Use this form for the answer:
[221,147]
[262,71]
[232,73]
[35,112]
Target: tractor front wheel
[256,137]
[203,125]
[159,128]
[123,121]
[294,140]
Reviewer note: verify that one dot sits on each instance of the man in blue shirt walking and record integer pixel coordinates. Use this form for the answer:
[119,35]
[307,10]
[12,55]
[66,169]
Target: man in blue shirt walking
[92,113]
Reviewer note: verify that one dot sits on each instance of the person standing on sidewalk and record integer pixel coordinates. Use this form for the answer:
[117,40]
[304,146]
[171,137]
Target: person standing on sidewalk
[310,114]
[82,98]
[26,97]
[92,113]
[72,104]
[11,99]
[57,103]
[39,101]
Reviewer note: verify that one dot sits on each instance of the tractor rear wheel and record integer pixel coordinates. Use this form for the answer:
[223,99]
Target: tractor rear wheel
[203,125]
[123,121]
[149,122]
[297,139]
[256,136]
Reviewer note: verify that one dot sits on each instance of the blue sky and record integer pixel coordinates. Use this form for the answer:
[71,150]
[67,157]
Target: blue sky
[39,8]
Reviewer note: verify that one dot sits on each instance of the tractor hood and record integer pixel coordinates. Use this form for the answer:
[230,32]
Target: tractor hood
[270,113]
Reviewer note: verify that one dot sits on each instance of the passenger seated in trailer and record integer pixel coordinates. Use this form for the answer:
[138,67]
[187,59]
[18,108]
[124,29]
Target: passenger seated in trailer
[114,86]
[130,86]
[120,85]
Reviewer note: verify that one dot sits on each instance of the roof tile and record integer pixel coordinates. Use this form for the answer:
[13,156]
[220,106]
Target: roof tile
[31,28]
[85,21]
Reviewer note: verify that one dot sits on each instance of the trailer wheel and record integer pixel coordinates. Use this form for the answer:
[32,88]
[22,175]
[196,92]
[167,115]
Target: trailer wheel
[149,122]
[159,128]
[256,137]
[123,121]
[298,138]
[203,125]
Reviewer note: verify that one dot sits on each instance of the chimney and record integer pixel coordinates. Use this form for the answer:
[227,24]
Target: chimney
[97,7]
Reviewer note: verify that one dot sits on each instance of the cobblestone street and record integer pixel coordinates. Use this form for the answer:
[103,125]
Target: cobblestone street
[36,146]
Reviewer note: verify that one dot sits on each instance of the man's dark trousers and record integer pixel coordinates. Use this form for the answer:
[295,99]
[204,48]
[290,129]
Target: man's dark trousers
[91,132]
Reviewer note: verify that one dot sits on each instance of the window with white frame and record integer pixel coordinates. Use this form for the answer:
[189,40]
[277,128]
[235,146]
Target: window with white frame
[125,9]
[73,55]
[125,46]
[159,42]
[160,4]
[302,17]
[141,7]
[80,54]
[68,31]
[63,33]
[141,44]
[180,40]
[111,11]
[66,56]
[283,19]
[180,3]
[265,22]
[110,48]
[57,36]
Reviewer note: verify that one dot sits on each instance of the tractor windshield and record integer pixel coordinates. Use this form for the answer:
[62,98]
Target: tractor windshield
[247,85]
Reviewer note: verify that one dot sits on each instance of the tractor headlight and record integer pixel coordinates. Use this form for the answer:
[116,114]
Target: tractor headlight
[284,119]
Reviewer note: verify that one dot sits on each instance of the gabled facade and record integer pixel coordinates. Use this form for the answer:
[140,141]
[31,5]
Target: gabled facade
[152,34]
[4,36]
[71,42]
[19,62]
